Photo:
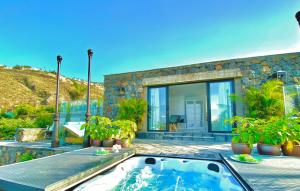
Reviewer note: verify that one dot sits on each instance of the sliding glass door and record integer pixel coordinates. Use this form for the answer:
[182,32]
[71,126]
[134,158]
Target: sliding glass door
[157,108]
[220,105]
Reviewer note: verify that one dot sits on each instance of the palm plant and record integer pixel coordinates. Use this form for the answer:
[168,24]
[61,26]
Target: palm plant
[266,101]
[132,109]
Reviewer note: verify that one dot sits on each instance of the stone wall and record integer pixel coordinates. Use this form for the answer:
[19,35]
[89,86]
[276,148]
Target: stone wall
[30,134]
[253,71]
[12,154]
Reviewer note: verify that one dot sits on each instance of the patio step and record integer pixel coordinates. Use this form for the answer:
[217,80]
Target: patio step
[186,136]
[189,138]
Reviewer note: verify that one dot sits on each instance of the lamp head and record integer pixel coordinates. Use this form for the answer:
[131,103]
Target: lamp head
[90,52]
[59,58]
[298,17]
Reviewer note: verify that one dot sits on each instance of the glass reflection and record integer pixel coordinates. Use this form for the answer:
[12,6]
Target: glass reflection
[221,105]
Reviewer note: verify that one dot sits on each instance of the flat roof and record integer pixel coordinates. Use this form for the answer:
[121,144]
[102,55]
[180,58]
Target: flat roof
[195,64]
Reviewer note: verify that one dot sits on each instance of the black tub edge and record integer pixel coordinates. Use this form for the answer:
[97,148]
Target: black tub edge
[234,172]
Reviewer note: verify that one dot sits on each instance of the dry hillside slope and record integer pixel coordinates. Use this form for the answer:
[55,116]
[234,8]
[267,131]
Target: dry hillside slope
[36,87]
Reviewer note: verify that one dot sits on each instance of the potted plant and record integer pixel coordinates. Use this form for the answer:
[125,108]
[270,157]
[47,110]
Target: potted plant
[90,129]
[291,130]
[244,134]
[97,128]
[296,142]
[296,148]
[109,133]
[273,135]
[126,132]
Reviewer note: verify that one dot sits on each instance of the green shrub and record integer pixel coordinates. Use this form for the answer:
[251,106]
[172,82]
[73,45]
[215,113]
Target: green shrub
[43,120]
[25,110]
[45,109]
[8,127]
[26,157]
[2,111]
[17,67]
[132,109]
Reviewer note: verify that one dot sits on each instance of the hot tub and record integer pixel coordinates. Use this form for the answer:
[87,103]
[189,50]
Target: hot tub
[163,173]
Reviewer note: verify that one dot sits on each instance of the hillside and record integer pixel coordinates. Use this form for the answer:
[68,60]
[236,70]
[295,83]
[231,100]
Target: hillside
[36,87]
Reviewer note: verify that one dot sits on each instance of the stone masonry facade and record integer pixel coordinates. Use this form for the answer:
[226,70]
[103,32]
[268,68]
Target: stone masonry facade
[248,72]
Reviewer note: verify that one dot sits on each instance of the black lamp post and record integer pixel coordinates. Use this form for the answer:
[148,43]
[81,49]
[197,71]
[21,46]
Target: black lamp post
[86,141]
[298,17]
[55,137]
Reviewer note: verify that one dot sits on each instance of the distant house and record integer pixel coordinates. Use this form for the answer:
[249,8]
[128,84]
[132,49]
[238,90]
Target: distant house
[196,97]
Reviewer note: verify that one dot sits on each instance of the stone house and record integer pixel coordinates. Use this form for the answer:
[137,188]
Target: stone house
[196,98]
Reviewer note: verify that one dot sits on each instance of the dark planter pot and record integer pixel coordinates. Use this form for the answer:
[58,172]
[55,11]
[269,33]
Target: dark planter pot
[264,149]
[95,143]
[240,148]
[108,143]
[285,150]
[125,143]
[296,151]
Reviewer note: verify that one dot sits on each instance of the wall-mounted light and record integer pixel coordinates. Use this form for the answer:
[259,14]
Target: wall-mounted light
[281,75]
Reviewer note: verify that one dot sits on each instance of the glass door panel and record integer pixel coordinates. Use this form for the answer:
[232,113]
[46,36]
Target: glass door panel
[157,109]
[221,105]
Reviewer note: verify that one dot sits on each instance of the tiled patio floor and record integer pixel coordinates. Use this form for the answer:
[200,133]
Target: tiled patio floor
[272,174]
[181,148]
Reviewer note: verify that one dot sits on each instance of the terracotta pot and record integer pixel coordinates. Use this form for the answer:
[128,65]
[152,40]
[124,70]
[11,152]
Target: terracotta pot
[296,151]
[264,149]
[125,143]
[240,148]
[108,143]
[95,143]
[287,148]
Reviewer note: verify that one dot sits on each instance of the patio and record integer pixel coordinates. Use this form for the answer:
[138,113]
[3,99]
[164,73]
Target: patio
[273,173]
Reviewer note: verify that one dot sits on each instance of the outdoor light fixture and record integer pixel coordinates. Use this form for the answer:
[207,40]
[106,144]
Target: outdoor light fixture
[281,75]
[86,141]
[298,17]
[55,137]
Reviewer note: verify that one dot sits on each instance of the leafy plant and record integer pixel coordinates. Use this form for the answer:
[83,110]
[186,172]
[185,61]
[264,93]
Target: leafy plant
[246,130]
[265,101]
[43,120]
[100,128]
[278,130]
[127,129]
[132,109]
[26,157]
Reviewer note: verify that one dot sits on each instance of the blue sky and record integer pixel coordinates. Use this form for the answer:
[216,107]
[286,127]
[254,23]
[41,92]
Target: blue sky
[130,35]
